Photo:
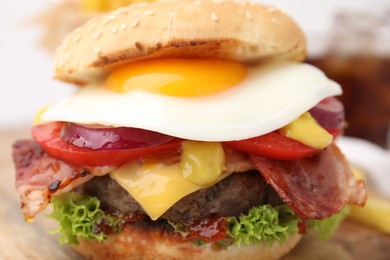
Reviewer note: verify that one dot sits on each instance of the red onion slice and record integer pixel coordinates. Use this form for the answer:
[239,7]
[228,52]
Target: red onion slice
[112,138]
[329,113]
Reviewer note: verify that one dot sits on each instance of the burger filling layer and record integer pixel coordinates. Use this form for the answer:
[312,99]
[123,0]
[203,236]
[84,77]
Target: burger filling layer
[232,208]
[246,158]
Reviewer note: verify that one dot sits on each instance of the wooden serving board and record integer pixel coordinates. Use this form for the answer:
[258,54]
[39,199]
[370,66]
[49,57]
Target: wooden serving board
[20,240]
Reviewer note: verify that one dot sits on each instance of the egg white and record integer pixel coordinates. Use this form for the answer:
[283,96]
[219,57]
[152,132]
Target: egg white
[269,98]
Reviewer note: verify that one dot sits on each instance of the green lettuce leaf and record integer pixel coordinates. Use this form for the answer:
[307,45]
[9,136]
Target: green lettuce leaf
[80,216]
[264,223]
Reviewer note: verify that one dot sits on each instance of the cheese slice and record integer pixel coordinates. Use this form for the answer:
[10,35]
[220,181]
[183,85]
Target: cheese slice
[307,130]
[155,186]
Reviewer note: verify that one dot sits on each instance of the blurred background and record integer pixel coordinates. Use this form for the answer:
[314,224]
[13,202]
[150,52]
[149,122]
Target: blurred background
[349,40]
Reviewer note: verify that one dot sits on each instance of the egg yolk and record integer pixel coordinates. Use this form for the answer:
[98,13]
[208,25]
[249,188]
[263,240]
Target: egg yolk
[177,77]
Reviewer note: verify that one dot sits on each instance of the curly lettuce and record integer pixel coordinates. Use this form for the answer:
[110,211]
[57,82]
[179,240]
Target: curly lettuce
[270,224]
[81,216]
[264,223]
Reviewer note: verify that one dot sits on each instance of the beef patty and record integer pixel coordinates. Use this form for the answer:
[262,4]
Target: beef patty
[232,196]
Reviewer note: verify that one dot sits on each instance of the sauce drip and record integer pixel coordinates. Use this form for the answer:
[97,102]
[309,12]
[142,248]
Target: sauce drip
[207,229]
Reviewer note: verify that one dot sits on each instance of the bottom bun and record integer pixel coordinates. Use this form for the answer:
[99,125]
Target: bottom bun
[133,243]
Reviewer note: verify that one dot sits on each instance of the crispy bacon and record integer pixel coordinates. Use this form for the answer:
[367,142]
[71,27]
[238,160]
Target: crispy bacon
[39,176]
[316,187]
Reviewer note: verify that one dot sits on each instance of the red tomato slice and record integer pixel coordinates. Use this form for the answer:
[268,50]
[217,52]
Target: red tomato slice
[336,132]
[276,146]
[49,137]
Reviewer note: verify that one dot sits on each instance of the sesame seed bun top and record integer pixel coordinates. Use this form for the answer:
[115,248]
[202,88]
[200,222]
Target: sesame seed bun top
[232,30]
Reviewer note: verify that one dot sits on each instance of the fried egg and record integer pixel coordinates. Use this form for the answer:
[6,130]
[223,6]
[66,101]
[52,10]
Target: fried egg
[204,100]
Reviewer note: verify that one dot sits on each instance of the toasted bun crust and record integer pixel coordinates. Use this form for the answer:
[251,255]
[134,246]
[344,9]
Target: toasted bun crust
[233,30]
[133,243]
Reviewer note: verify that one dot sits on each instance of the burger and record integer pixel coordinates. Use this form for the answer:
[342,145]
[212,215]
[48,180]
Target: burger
[197,132]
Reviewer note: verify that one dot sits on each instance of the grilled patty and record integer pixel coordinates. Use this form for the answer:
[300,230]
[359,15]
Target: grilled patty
[232,196]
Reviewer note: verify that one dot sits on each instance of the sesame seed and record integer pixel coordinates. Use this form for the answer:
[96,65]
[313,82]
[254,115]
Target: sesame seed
[135,24]
[97,35]
[77,38]
[248,15]
[97,50]
[67,57]
[214,17]
[275,21]
[271,9]
[121,11]
[114,30]
[109,18]
[106,20]
[124,26]
[92,26]
[142,4]
[156,40]
[149,12]
[65,45]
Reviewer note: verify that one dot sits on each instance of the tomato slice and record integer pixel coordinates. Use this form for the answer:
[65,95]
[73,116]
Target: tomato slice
[276,146]
[49,137]
[336,132]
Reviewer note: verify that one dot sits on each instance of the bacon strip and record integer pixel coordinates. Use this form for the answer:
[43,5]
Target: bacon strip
[39,177]
[316,187]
